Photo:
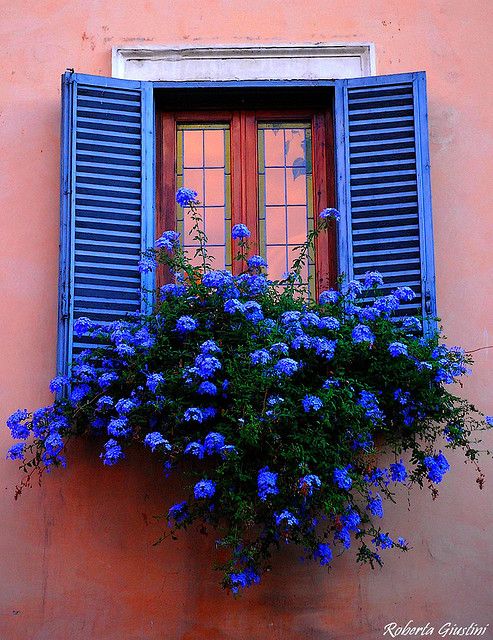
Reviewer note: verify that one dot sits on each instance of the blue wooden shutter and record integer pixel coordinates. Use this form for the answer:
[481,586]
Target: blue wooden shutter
[383,184]
[107,202]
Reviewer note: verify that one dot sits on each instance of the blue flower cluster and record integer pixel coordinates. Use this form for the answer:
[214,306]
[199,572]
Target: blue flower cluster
[270,400]
[437,466]
[267,483]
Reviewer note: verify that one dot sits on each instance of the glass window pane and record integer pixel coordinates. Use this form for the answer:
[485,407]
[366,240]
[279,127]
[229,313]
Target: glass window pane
[214,148]
[193,148]
[285,192]
[275,224]
[277,261]
[274,147]
[203,152]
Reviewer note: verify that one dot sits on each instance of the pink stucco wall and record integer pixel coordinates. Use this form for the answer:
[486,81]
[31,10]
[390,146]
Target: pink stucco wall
[76,559]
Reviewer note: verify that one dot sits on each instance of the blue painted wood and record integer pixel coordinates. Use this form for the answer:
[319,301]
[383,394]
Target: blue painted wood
[383,182]
[107,202]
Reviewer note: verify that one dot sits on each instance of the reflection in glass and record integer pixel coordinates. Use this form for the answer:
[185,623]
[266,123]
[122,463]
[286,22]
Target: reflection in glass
[203,164]
[285,193]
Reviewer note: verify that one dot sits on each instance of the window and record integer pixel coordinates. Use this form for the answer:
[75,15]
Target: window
[110,183]
[266,168]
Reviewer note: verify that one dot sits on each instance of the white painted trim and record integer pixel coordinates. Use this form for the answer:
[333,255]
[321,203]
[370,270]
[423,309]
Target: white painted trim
[244,62]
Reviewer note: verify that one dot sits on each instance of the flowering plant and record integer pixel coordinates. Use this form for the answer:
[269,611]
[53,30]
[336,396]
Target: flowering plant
[267,402]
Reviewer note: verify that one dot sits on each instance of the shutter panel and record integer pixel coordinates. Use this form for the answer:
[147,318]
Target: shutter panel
[107,202]
[383,180]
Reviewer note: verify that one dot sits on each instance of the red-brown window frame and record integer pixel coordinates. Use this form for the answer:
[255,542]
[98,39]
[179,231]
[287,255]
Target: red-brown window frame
[244,174]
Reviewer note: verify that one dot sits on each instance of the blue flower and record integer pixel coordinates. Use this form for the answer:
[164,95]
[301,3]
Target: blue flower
[369,403]
[204,489]
[310,319]
[386,304]
[172,290]
[153,380]
[279,349]
[125,350]
[309,483]
[261,356]
[79,392]
[104,402]
[362,333]
[216,279]
[311,403]
[118,427]
[155,439]
[402,542]
[213,443]
[178,512]
[58,383]
[82,326]
[331,382]
[290,317]
[323,347]
[105,379]
[193,415]
[404,294]
[209,412]
[186,197]
[242,579]
[266,483]
[286,518]
[354,289]
[186,324]
[207,388]
[411,324]
[195,449]
[323,553]
[437,467]
[373,279]
[18,431]
[375,505]
[398,472]
[286,367]
[256,262]
[331,214]
[168,240]
[302,341]
[329,297]
[342,478]
[233,306]
[489,420]
[362,441]
[329,323]
[112,452]
[16,451]
[53,444]
[206,366]
[397,349]
[351,520]
[240,231]
[124,406]
[147,264]
[344,536]
[383,540]
[208,347]
[253,311]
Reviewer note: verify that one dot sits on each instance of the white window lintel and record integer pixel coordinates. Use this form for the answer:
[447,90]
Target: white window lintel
[244,62]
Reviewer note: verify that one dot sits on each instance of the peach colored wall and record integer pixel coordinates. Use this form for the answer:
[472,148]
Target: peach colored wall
[76,559]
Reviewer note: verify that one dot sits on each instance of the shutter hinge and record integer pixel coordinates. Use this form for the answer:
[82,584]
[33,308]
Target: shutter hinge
[428,302]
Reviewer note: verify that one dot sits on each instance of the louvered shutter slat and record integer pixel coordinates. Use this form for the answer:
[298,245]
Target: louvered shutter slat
[383,184]
[107,202]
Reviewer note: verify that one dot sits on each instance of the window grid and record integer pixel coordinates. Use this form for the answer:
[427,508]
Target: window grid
[220,250]
[265,206]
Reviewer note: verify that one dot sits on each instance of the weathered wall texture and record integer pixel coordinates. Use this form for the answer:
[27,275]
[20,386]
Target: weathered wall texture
[75,555]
